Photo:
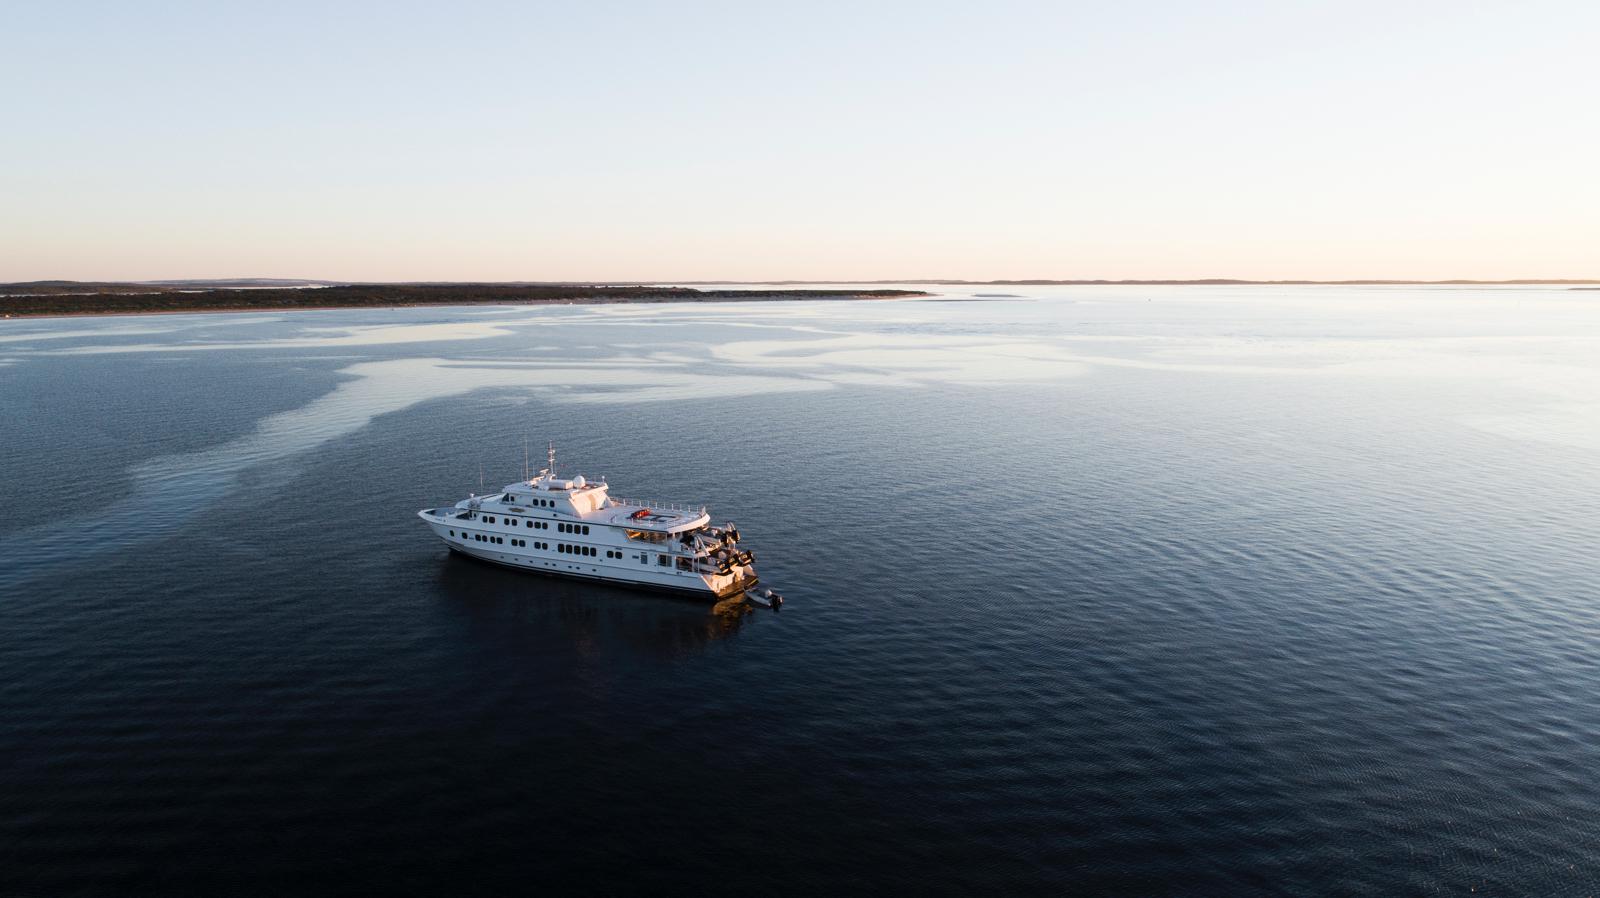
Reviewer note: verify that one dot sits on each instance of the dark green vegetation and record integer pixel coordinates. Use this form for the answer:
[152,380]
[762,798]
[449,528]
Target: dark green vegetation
[78,298]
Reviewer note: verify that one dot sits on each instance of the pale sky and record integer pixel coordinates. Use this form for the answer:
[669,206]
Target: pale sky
[816,140]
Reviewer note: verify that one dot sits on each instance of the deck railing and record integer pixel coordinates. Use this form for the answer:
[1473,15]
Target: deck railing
[664,506]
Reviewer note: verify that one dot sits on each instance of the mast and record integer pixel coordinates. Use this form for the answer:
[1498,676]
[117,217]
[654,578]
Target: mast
[552,457]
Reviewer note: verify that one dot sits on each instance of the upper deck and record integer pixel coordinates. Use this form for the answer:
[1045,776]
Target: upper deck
[590,502]
[654,517]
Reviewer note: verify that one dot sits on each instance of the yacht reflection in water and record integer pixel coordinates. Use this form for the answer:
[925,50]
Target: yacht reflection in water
[592,618]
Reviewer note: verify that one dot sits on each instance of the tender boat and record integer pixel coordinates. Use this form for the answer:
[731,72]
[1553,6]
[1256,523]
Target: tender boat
[574,527]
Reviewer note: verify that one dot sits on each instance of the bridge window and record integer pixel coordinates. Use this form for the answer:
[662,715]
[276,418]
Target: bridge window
[664,560]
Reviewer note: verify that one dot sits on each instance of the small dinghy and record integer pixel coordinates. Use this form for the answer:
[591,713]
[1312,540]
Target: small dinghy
[764,597]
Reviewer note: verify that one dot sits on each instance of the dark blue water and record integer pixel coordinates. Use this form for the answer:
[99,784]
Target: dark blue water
[1189,591]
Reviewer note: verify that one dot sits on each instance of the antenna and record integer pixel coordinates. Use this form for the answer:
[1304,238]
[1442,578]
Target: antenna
[552,458]
[525,457]
[480,475]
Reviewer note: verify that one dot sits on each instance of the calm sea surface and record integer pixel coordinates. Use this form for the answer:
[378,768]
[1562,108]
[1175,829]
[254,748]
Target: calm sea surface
[1126,590]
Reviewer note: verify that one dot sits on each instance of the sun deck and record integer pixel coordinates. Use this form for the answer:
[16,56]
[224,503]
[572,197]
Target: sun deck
[657,518]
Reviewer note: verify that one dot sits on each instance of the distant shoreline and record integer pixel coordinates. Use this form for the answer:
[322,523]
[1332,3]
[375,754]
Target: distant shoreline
[64,299]
[73,300]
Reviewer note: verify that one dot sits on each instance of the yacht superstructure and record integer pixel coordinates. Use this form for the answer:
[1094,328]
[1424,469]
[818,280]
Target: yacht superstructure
[573,527]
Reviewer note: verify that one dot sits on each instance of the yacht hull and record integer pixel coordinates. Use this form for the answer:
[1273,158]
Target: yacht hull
[704,595]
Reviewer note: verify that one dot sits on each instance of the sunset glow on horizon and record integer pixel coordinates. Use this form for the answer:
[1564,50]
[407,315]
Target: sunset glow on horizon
[831,141]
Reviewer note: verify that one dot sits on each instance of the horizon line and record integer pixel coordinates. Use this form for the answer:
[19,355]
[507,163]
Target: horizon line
[1018,282]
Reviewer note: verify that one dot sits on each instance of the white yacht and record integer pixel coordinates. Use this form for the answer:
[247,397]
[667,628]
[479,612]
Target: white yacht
[575,528]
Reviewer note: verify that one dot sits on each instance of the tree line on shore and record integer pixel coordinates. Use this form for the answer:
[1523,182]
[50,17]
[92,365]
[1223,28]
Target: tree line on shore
[71,298]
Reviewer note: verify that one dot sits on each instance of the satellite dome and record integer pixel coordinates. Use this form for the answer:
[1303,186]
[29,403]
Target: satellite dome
[578,481]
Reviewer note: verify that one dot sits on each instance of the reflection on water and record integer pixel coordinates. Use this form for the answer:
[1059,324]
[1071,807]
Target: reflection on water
[504,606]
